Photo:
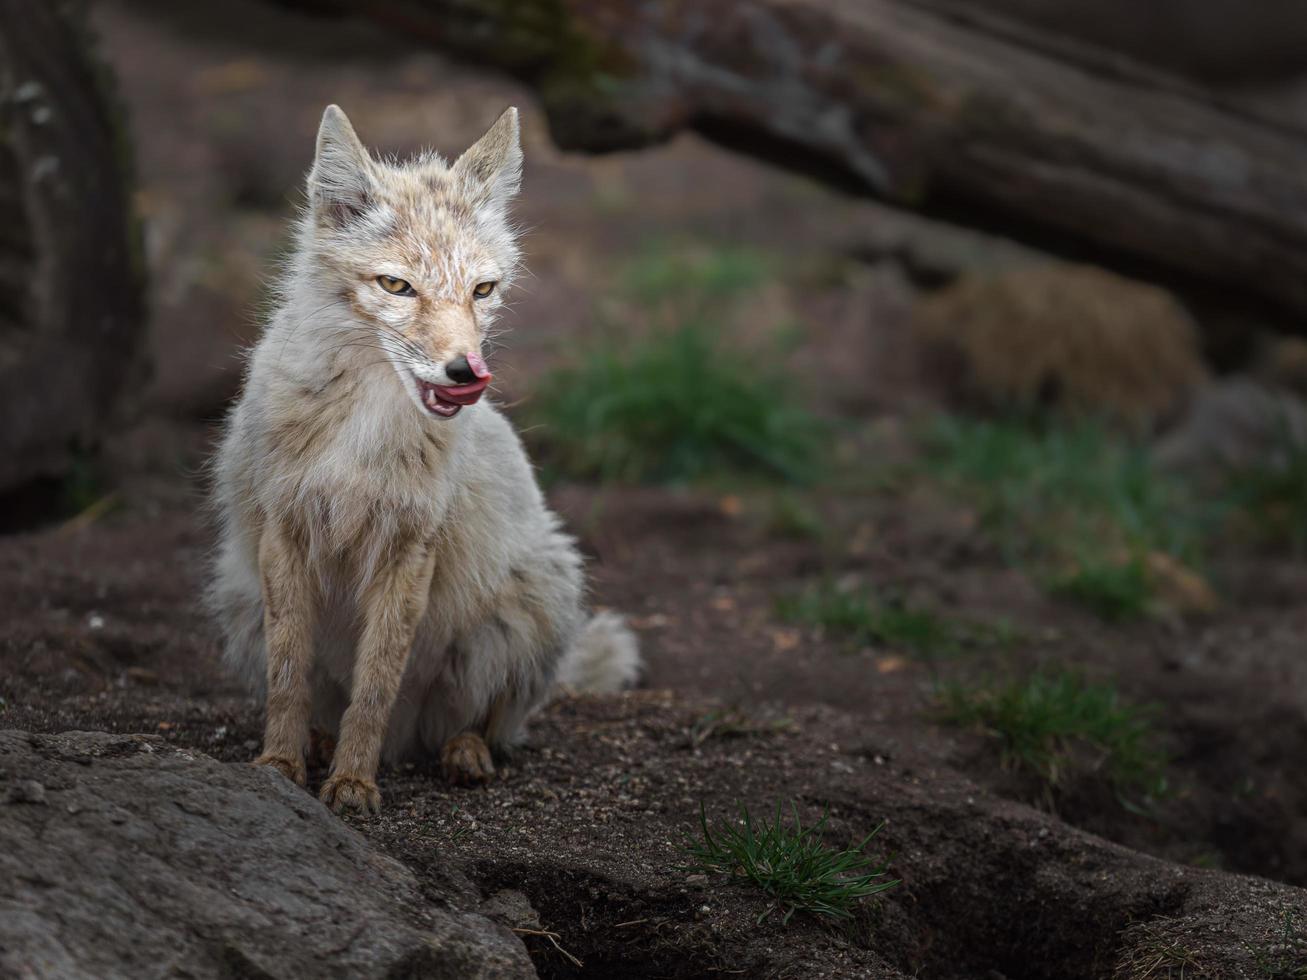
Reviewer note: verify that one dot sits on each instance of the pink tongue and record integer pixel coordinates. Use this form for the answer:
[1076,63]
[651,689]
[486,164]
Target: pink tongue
[478,366]
[464,394]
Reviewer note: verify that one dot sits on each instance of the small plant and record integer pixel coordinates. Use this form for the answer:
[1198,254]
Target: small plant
[862,619]
[791,864]
[1054,723]
[1152,955]
[674,406]
[1285,956]
[1082,507]
[677,394]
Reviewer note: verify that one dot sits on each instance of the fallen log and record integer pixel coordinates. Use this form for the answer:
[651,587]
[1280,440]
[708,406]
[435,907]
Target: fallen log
[927,107]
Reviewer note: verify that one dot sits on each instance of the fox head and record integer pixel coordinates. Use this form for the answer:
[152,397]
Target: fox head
[420,254]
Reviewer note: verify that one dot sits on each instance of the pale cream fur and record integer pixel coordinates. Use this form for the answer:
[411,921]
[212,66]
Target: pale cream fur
[389,576]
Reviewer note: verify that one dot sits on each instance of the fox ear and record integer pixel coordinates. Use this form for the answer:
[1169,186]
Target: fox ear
[491,167]
[340,183]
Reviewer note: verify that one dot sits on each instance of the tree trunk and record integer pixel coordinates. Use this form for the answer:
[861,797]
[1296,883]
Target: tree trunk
[71,316]
[942,108]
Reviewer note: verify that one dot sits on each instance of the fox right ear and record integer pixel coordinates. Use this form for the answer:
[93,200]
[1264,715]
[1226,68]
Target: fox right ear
[340,183]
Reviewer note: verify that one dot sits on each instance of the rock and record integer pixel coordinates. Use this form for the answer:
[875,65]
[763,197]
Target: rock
[1236,423]
[1073,336]
[1282,363]
[149,860]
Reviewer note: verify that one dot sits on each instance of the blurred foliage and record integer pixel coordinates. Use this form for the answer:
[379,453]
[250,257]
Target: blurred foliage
[1055,725]
[1268,500]
[863,619]
[1085,508]
[684,399]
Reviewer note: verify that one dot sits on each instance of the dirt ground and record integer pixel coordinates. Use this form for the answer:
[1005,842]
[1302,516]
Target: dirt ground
[102,628]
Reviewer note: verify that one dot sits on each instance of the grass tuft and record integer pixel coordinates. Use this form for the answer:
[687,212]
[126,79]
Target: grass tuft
[791,864]
[862,619]
[1055,723]
[1084,508]
[677,394]
[674,406]
[1150,954]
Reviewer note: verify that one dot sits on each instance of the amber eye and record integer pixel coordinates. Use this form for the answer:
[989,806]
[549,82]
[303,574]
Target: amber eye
[397,286]
[483,289]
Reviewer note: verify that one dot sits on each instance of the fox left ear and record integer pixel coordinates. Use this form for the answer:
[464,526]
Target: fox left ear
[492,166]
[340,183]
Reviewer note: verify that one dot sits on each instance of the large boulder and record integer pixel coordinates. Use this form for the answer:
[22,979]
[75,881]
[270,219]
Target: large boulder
[121,856]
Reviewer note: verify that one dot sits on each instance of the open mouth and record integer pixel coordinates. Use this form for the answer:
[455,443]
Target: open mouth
[446,401]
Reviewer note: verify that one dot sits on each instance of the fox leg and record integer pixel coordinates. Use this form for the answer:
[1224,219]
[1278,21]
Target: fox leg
[515,653]
[288,610]
[393,605]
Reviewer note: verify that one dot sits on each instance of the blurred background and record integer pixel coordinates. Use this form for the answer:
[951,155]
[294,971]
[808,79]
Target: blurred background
[940,362]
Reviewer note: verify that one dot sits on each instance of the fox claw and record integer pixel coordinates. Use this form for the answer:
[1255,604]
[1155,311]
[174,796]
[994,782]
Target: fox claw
[344,793]
[292,769]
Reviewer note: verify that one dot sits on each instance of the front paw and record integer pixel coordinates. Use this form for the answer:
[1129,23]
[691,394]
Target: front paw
[292,769]
[343,792]
[466,760]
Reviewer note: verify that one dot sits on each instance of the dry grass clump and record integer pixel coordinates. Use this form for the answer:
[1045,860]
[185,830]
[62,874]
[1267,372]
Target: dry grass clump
[1060,335]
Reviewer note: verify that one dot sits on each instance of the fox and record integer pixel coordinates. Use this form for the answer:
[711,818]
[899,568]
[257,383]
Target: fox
[387,572]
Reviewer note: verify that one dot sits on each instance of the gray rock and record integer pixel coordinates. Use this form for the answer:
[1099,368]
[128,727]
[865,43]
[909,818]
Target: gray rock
[144,860]
[1234,423]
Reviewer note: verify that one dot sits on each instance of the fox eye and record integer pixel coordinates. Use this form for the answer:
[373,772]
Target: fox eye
[399,287]
[483,289]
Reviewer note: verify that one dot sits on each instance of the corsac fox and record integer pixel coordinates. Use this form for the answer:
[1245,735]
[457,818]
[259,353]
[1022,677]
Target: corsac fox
[387,569]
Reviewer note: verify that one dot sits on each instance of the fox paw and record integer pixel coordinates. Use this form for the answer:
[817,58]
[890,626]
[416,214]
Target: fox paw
[466,760]
[344,793]
[292,769]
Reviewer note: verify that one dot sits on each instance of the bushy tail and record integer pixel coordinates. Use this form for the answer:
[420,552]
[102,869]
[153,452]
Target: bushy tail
[604,658]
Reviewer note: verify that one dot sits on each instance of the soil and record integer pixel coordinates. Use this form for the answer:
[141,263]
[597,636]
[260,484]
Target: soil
[102,626]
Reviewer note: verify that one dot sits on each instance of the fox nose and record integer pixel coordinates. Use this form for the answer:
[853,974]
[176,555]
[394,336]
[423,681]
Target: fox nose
[460,371]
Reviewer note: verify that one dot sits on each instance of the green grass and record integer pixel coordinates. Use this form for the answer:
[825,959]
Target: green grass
[862,619]
[1079,505]
[1116,590]
[672,407]
[1055,723]
[791,864]
[681,397]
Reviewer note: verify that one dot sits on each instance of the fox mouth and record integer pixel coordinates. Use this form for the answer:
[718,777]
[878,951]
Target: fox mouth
[446,401]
